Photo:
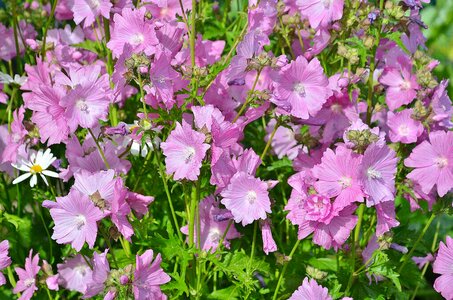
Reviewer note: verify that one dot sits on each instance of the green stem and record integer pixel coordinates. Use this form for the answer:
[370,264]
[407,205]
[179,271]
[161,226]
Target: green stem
[49,20]
[249,96]
[420,236]
[252,254]
[359,222]
[285,266]
[142,94]
[193,207]
[100,149]
[268,144]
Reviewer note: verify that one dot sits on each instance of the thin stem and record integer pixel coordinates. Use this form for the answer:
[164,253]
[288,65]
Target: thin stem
[249,96]
[109,245]
[192,34]
[142,94]
[49,20]
[100,149]
[268,144]
[359,222]
[422,233]
[16,39]
[252,254]
[193,207]
[285,266]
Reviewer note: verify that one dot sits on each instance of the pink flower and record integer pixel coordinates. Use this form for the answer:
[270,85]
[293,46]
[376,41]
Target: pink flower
[377,170]
[5,260]
[75,218]
[441,104]
[401,84]
[131,27]
[247,198]
[184,150]
[444,265]
[421,261]
[339,177]
[97,186]
[284,141]
[301,88]
[213,226]
[16,137]
[403,128]
[269,244]
[101,270]
[120,209]
[385,217]
[89,10]
[27,277]
[310,290]
[433,163]
[75,274]
[321,12]
[148,277]
[139,203]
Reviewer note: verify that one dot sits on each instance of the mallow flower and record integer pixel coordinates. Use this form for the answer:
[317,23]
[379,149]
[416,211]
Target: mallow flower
[310,290]
[444,265]
[5,260]
[149,276]
[27,277]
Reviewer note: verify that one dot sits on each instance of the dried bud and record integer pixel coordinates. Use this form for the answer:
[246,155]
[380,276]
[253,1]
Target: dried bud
[315,273]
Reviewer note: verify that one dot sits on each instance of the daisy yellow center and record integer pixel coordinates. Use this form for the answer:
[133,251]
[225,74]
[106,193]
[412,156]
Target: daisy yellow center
[189,153]
[299,88]
[345,181]
[373,174]
[251,196]
[441,162]
[403,130]
[81,221]
[36,169]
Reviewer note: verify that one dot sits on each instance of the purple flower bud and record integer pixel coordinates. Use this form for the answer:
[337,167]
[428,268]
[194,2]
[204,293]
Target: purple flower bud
[124,279]
[223,217]
[372,16]
[236,82]
[399,248]
[260,279]
[119,129]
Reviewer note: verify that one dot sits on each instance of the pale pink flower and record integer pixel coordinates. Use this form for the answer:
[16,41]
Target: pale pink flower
[75,274]
[101,270]
[403,128]
[433,163]
[5,260]
[321,12]
[301,88]
[27,277]
[444,265]
[184,150]
[269,244]
[247,198]
[75,218]
[89,10]
[386,219]
[148,277]
[310,290]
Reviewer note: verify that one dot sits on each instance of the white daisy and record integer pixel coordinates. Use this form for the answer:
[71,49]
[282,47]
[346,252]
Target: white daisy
[38,164]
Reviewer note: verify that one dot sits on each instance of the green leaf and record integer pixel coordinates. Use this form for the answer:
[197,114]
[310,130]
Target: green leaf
[324,263]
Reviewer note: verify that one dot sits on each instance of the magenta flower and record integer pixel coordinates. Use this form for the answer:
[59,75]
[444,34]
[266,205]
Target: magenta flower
[403,128]
[321,12]
[75,218]
[98,187]
[401,84]
[213,226]
[247,198]
[27,277]
[5,260]
[433,163]
[269,244]
[101,270]
[444,265]
[301,88]
[89,10]
[148,277]
[377,171]
[310,290]
[75,274]
[184,150]
[339,177]
[442,106]
[131,27]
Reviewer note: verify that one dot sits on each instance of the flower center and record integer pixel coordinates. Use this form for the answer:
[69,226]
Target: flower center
[441,162]
[81,269]
[251,196]
[189,154]
[94,4]
[137,39]
[318,208]
[81,221]
[336,108]
[36,169]
[326,3]
[215,235]
[403,130]
[345,181]
[82,105]
[299,88]
[29,282]
[405,85]
[373,174]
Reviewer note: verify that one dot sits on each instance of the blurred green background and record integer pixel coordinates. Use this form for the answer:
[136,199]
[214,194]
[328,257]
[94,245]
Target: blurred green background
[439,18]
